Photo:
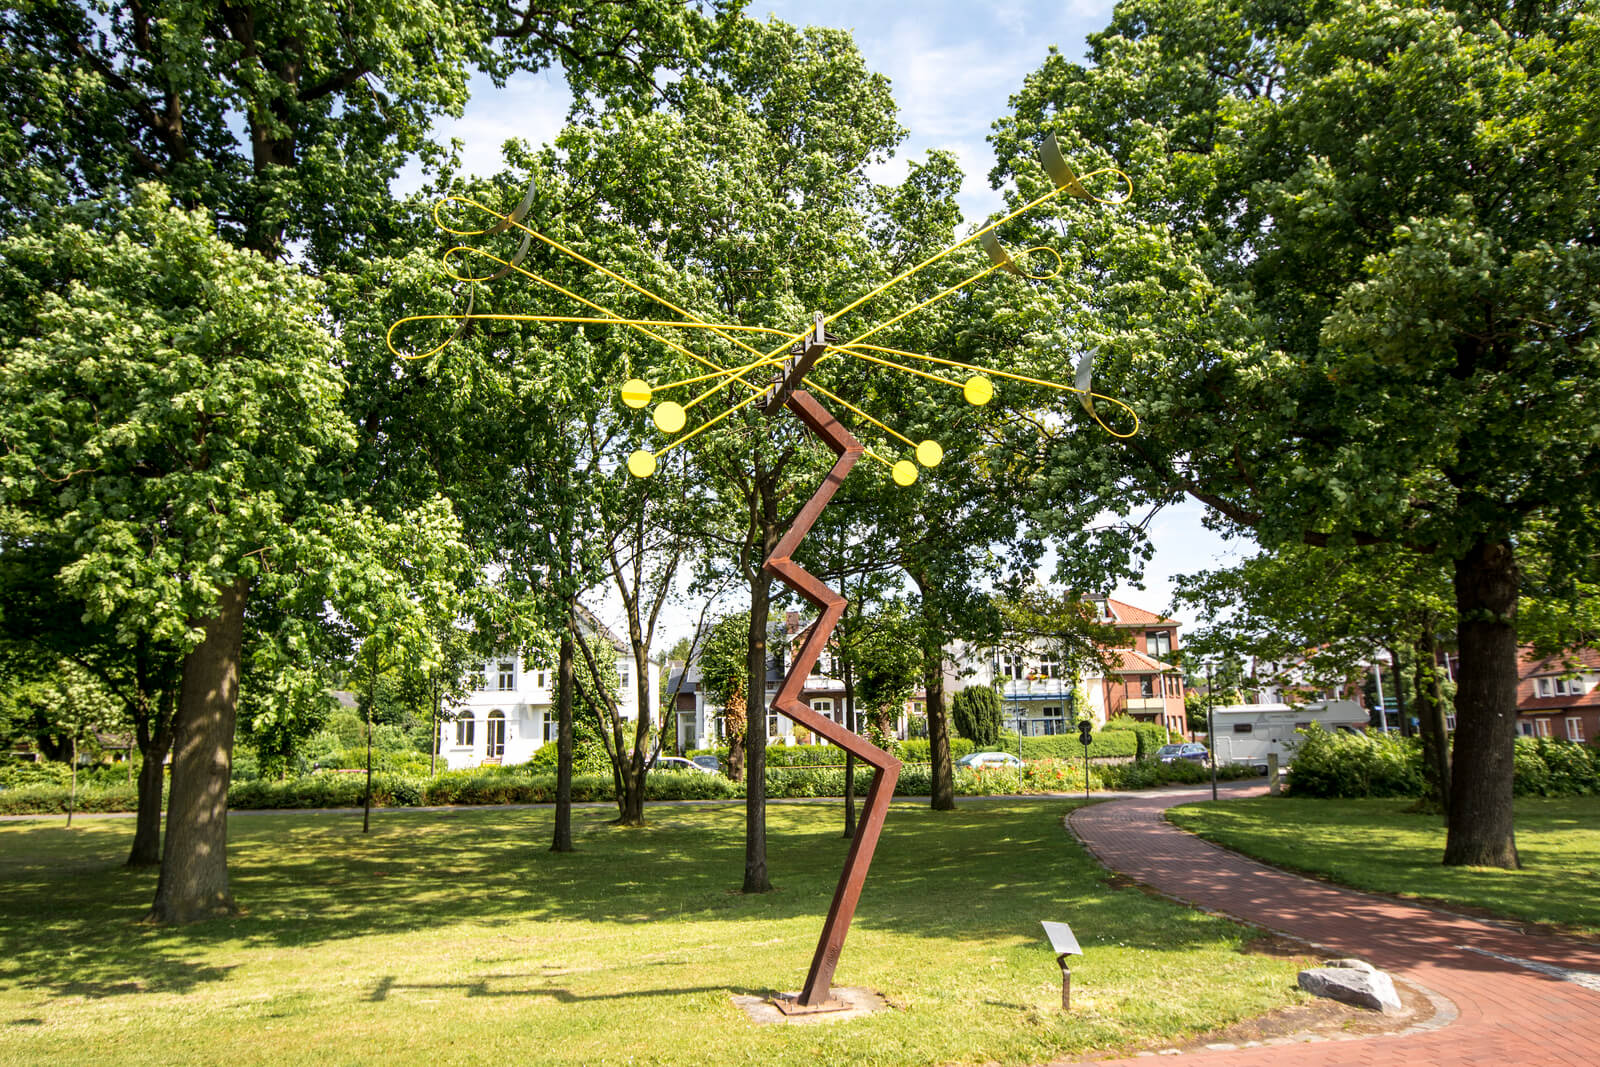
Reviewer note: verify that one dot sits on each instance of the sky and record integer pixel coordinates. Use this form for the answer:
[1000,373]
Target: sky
[952,67]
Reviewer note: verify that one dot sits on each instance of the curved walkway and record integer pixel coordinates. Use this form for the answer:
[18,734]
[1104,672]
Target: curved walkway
[1519,998]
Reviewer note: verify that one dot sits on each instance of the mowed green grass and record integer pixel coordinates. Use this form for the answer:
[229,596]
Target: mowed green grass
[459,938]
[1379,845]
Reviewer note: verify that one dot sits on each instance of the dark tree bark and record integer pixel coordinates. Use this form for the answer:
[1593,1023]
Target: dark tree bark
[194,864]
[155,741]
[1400,693]
[755,732]
[1482,826]
[944,784]
[1430,716]
[564,682]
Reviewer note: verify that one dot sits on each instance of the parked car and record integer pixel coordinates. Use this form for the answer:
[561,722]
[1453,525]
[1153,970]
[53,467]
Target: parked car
[714,764]
[678,763]
[1189,750]
[989,759]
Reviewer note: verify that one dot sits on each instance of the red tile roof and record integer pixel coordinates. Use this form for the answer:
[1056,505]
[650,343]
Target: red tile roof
[1130,661]
[1128,615]
[1531,667]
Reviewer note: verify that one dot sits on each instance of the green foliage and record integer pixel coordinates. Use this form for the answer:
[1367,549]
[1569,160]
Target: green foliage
[1102,745]
[722,662]
[1328,764]
[1549,768]
[1148,774]
[1149,736]
[975,713]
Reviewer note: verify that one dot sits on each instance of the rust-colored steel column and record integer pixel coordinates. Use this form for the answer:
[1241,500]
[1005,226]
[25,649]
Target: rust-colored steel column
[815,995]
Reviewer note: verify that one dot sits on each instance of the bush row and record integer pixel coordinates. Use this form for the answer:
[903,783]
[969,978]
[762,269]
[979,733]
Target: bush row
[1387,765]
[1148,774]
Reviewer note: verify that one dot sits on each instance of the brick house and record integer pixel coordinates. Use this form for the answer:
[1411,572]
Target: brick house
[1559,696]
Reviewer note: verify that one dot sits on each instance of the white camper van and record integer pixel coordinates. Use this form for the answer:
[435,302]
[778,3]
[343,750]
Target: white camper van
[1248,733]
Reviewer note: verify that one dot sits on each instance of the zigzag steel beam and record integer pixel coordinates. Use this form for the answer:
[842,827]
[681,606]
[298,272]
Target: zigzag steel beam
[788,702]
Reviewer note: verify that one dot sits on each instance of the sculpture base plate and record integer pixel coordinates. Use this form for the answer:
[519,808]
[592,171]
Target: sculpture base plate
[844,1002]
[789,1004]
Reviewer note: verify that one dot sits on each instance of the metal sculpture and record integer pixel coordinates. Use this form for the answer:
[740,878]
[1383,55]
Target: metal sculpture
[786,387]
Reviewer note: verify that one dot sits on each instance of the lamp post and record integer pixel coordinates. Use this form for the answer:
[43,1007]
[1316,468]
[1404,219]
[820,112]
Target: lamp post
[1211,732]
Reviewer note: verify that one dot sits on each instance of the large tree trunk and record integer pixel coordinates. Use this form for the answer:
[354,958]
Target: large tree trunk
[755,736]
[944,782]
[564,683]
[194,864]
[1399,692]
[1482,829]
[1430,716]
[155,741]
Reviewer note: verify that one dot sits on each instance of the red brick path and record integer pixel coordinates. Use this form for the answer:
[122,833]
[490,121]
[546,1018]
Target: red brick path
[1505,1013]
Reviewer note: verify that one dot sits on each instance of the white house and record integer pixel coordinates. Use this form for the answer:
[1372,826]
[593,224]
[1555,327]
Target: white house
[511,713]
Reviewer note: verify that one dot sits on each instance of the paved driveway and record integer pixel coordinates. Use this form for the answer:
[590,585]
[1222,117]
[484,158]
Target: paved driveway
[1518,998]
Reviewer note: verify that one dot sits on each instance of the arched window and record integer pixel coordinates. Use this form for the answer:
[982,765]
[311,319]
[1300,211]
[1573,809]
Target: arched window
[495,736]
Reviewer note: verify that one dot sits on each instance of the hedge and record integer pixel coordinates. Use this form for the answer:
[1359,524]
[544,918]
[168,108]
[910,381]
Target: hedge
[1148,774]
[1379,765]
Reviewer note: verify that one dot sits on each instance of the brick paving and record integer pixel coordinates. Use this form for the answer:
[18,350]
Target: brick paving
[1505,1013]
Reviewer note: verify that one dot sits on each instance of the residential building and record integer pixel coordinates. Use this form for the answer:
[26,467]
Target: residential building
[509,713]
[1559,696]
[1039,697]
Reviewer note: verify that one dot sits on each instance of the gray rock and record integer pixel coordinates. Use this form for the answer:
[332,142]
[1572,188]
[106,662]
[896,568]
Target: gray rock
[1352,985]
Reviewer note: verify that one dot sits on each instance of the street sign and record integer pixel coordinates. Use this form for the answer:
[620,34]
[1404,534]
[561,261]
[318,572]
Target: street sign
[1062,940]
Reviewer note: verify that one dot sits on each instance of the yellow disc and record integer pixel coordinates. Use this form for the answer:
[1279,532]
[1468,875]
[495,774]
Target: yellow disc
[978,390]
[669,416]
[642,464]
[635,392]
[929,453]
[905,472]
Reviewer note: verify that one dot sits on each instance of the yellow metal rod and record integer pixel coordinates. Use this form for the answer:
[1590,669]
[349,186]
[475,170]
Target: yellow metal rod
[704,426]
[558,246]
[901,366]
[836,398]
[611,315]
[1007,374]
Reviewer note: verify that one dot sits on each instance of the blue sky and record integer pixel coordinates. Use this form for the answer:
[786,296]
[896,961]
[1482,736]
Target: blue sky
[953,67]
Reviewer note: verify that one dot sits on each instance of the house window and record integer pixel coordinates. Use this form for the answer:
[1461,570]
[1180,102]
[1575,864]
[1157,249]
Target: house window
[1541,727]
[1013,668]
[507,675]
[1158,642]
[1049,665]
[552,728]
[464,732]
[495,735]
[544,678]
[823,708]
[918,708]
[1546,687]
[1449,722]
[482,681]
[1241,728]
[772,726]
[1147,685]
[624,672]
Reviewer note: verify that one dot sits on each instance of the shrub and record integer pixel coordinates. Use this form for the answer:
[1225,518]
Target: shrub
[975,714]
[1148,774]
[1149,735]
[920,749]
[1355,765]
[1549,768]
[43,799]
[1106,744]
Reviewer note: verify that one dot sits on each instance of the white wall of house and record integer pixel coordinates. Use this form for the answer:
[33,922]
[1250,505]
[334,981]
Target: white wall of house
[511,714]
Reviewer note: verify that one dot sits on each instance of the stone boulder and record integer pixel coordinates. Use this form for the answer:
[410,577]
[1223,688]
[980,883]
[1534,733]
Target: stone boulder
[1353,982]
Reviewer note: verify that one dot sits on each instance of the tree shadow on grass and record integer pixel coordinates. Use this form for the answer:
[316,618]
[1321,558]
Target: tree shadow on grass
[984,874]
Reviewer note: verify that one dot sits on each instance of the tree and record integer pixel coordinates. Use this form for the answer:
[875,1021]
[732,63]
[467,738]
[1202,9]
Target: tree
[1352,298]
[1323,614]
[975,711]
[169,406]
[723,679]
[329,103]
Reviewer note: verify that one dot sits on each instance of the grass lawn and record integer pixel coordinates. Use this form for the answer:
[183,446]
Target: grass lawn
[1377,844]
[459,937]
